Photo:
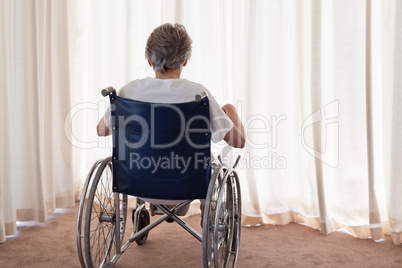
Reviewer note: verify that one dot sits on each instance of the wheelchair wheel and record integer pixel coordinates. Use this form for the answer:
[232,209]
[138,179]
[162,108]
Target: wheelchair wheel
[80,240]
[222,221]
[209,217]
[223,225]
[99,230]
[142,220]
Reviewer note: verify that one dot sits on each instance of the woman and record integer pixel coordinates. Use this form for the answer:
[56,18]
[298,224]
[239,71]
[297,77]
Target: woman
[168,49]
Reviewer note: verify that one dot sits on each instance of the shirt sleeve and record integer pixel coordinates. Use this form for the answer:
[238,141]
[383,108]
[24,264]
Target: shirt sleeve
[108,115]
[221,124]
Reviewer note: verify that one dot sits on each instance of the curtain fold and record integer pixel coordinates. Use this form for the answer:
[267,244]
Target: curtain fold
[374,211]
[316,88]
[392,119]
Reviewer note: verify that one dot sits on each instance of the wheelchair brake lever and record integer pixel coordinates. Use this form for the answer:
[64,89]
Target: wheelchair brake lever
[237,161]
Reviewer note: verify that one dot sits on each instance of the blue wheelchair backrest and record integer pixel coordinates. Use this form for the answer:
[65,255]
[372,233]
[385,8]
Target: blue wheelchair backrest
[161,150]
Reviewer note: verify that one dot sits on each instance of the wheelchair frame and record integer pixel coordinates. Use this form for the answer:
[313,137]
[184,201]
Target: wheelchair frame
[106,209]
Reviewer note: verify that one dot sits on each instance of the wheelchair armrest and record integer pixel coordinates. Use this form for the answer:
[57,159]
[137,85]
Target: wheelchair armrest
[105,92]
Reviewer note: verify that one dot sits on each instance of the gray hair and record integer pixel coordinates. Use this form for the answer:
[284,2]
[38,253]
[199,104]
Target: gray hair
[168,47]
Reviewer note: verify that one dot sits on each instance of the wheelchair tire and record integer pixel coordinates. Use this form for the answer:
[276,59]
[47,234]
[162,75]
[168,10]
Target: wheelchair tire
[222,220]
[142,221]
[81,212]
[237,217]
[100,216]
[209,217]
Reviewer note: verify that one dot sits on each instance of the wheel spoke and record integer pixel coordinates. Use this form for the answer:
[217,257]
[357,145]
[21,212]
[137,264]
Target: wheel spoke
[99,225]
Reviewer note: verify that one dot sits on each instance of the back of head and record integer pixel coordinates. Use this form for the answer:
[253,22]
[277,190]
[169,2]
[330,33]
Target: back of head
[168,47]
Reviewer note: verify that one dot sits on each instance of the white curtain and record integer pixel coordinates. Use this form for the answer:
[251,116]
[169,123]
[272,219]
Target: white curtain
[316,84]
[320,74]
[35,165]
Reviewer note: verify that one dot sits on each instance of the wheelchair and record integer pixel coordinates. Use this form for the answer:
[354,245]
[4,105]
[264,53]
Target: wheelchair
[177,136]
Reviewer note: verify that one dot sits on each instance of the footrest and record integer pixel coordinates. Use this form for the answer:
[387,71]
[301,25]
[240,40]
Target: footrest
[156,211]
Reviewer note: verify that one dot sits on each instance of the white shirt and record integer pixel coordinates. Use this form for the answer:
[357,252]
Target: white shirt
[175,91]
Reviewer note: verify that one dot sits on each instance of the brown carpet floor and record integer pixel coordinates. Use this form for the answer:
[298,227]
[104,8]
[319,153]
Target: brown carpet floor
[53,244]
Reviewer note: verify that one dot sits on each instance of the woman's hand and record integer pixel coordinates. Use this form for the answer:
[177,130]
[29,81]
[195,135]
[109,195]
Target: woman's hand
[236,137]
